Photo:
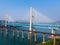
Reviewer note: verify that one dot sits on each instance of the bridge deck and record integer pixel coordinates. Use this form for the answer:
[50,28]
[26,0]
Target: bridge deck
[45,26]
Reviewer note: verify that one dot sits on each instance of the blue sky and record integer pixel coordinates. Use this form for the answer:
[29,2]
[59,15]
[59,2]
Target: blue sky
[19,9]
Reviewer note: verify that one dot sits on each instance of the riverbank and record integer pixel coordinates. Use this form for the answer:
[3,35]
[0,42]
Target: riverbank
[50,42]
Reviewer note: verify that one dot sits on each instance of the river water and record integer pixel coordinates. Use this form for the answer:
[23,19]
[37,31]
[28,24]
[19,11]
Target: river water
[10,40]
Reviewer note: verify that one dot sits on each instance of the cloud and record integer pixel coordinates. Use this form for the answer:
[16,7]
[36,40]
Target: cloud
[41,18]
[38,17]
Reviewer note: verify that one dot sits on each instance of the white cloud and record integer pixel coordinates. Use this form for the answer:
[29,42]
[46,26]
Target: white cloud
[41,18]
[38,17]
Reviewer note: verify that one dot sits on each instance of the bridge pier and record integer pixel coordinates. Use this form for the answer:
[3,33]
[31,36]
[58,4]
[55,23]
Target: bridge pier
[29,35]
[22,34]
[18,34]
[43,38]
[53,32]
[13,33]
[35,37]
[34,33]
[54,41]
[1,30]
[6,32]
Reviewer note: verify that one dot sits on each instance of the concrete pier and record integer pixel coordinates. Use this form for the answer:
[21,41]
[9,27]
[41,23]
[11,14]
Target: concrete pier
[29,35]
[23,34]
[53,32]
[54,41]
[1,30]
[18,34]
[43,38]
[13,33]
[6,32]
[34,34]
[53,36]
[35,37]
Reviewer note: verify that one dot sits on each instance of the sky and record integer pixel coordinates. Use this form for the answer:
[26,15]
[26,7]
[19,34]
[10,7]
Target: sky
[46,10]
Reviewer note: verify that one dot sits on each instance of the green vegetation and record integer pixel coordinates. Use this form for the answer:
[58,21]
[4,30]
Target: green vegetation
[51,42]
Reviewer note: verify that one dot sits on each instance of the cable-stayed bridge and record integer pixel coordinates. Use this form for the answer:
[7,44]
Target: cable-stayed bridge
[4,25]
[31,24]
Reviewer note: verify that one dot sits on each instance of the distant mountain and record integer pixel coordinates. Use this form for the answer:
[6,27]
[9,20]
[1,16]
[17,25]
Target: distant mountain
[20,21]
[57,22]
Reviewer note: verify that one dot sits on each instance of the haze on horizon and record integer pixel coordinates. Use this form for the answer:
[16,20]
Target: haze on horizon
[46,11]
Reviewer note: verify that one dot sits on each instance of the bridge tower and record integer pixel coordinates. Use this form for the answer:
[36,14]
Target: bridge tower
[31,22]
[31,18]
